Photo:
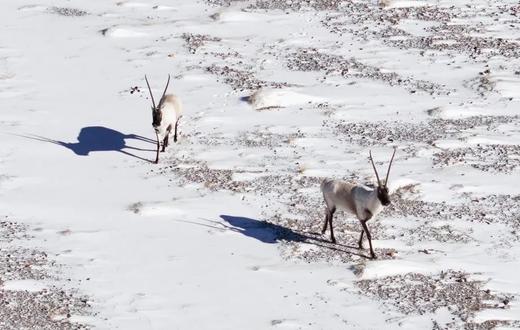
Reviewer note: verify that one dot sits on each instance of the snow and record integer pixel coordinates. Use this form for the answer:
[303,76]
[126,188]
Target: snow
[160,253]
[263,99]
[27,285]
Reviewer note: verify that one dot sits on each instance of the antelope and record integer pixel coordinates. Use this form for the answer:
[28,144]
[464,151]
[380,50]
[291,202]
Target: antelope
[365,203]
[165,117]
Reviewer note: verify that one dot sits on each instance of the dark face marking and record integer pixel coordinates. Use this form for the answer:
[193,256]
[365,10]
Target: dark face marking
[382,195]
[157,117]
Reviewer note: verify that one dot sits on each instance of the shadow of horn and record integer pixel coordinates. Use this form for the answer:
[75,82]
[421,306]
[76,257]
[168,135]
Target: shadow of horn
[42,139]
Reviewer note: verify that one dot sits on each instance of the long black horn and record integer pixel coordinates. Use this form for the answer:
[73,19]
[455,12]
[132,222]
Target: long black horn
[374,166]
[149,89]
[389,166]
[166,88]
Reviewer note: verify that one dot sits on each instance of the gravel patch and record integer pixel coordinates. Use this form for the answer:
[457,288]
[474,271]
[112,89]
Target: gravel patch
[374,133]
[261,138]
[23,264]
[47,309]
[50,307]
[270,140]
[489,157]
[223,3]
[415,293]
[195,41]
[457,39]
[310,59]
[298,5]
[369,22]
[502,209]
[241,80]
[64,11]
[10,230]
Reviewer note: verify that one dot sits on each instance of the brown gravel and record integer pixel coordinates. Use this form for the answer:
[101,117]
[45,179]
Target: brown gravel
[488,157]
[415,293]
[195,41]
[310,59]
[240,79]
[49,308]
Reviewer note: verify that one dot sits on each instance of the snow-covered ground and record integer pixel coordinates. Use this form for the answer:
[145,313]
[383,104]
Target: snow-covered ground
[224,232]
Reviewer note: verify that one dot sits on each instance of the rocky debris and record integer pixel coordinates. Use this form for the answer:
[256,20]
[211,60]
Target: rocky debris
[10,230]
[374,133]
[485,157]
[415,293]
[64,11]
[310,59]
[265,139]
[223,3]
[50,307]
[475,47]
[482,84]
[47,309]
[241,80]
[504,209]
[447,34]
[195,41]
[298,5]
[21,264]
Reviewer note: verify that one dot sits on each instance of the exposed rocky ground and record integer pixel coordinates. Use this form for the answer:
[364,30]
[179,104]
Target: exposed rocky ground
[419,294]
[48,306]
[293,208]
[436,79]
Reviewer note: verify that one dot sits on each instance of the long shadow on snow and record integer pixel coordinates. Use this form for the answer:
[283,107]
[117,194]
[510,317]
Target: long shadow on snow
[99,138]
[271,233]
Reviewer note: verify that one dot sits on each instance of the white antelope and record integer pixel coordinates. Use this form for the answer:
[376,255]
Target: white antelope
[165,116]
[362,201]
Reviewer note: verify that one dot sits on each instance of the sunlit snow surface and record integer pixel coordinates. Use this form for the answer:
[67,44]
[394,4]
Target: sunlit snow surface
[224,233]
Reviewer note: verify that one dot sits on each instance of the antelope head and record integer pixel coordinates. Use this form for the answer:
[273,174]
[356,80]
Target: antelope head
[156,109]
[382,188]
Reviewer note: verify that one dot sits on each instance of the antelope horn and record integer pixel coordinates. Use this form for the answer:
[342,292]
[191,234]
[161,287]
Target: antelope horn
[374,166]
[150,90]
[389,166]
[165,89]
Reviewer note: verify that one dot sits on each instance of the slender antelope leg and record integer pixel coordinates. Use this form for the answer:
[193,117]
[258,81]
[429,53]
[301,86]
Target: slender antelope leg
[175,134]
[327,213]
[360,242]
[167,137]
[332,238]
[165,141]
[158,147]
[364,224]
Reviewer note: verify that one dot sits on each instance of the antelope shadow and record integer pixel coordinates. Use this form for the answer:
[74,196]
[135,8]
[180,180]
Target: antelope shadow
[263,231]
[272,233]
[99,138]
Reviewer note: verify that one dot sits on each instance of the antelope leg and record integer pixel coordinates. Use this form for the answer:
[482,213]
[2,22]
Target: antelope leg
[360,242]
[175,133]
[158,147]
[332,238]
[327,213]
[165,141]
[365,228]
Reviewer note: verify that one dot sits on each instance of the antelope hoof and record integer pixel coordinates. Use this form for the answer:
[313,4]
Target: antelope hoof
[360,246]
[373,256]
[333,240]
